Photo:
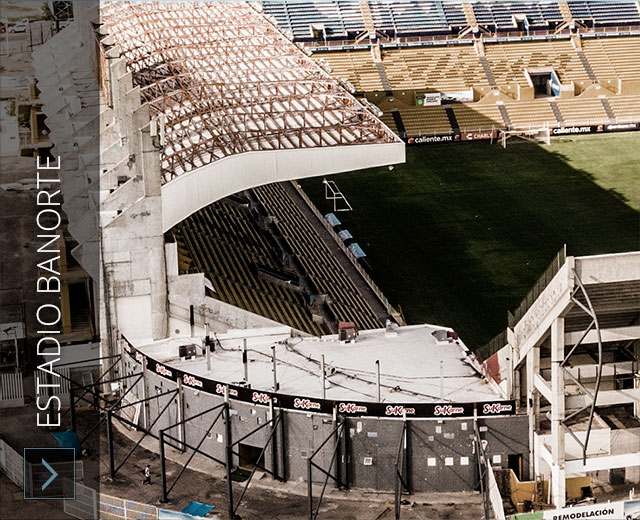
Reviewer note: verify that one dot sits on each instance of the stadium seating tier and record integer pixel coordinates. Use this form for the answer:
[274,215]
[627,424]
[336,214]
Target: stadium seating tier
[230,242]
[344,19]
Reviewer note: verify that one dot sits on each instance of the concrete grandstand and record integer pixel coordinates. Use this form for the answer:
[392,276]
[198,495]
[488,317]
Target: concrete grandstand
[475,69]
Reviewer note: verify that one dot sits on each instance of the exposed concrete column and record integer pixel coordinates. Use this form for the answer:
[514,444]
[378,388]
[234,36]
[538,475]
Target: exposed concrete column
[557,413]
[533,403]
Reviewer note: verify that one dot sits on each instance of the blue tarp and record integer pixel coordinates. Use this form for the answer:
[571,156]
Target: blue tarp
[333,220]
[69,439]
[197,509]
[345,235]
[356,250]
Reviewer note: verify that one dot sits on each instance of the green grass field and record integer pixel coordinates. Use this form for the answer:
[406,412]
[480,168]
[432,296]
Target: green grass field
[458,234]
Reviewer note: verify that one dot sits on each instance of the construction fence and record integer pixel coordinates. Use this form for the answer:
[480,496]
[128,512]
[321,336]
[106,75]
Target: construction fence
[89,504]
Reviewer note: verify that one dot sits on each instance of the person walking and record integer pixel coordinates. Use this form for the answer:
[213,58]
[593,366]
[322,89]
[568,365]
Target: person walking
[147,475]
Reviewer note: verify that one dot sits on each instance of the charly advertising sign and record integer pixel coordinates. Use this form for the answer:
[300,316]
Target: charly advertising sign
[311,404]
[629,510]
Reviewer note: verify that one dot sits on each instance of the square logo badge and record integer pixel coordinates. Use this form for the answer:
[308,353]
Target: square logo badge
[49,473]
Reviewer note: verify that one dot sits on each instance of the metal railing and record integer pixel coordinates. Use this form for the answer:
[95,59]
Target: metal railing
[376,290]
[11,389]
[495,344]
[515,35]
[538,287]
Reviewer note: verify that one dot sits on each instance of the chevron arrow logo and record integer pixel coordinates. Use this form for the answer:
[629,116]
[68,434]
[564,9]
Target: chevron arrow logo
[53,476]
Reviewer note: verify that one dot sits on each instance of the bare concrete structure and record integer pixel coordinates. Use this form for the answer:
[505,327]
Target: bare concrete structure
[203,99]
[572,357]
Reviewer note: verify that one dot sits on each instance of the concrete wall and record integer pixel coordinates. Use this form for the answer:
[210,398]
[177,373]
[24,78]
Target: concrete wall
[612,268]
[537,320]
[197,189]
[440,453]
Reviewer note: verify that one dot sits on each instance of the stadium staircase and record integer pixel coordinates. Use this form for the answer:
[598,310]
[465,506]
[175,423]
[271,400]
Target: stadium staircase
[367,17]
[586,65]
[453,121]
[608,109]
[469,14]
[397,119]
[487,71]
[556,111]
[565,11]
[505,115]
[383,79]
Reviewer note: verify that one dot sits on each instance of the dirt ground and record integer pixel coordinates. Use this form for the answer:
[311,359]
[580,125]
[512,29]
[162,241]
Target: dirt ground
[264,500]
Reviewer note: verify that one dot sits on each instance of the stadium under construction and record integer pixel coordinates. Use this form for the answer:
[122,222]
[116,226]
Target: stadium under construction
[246,325]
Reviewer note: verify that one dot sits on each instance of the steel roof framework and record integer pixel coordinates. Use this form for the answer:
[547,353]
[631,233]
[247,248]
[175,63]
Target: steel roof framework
[223,80]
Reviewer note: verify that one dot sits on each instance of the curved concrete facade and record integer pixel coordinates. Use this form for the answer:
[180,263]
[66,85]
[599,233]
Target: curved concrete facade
[197,189]
[439,453]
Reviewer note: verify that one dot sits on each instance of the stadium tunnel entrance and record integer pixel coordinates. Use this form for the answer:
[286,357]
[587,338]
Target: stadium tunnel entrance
[250,456]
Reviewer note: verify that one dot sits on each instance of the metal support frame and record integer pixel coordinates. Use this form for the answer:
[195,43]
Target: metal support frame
[196,449]
[274,421]
[113,469]
[91,389]
[481,458]
[97,398]
[96,395]
[400,470]
[593,396]
[337,432]
[71,409]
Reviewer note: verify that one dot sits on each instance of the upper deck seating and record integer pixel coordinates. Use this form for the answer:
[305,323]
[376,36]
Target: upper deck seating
[605,13]
[501,14]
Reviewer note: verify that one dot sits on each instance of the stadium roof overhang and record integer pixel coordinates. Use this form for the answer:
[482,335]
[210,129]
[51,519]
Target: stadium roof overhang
[221,81]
